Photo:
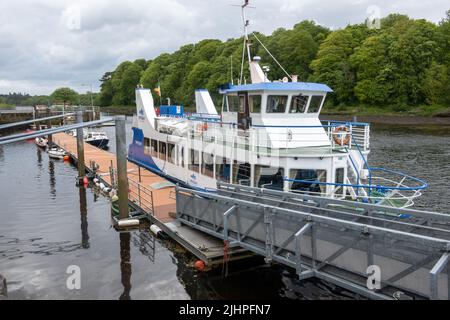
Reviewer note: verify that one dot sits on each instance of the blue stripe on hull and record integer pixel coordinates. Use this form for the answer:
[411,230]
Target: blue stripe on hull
[137,155]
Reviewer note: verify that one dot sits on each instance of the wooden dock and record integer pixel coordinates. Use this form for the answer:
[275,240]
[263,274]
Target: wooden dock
[163,200]
[160,200]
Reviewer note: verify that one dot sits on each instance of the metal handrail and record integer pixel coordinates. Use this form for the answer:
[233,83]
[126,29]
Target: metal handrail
[136,192]
[367,186]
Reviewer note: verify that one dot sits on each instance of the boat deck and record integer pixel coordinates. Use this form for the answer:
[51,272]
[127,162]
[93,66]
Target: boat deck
[203,246]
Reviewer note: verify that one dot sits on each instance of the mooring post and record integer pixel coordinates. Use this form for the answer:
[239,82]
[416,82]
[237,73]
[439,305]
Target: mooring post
[80,149]
[49,126]
[122,177]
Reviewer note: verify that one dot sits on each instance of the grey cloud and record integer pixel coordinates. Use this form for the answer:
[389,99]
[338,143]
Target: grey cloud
[42,47]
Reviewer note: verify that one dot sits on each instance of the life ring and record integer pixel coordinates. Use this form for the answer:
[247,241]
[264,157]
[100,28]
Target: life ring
[341,141]
[202,127]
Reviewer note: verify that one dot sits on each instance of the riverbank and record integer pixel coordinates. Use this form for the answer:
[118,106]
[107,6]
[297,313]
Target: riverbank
[389,119]
[403,120]
[119,110]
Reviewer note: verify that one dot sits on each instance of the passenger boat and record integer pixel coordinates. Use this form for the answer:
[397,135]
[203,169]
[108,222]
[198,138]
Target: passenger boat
[56,153]
[268,135]
[41,142]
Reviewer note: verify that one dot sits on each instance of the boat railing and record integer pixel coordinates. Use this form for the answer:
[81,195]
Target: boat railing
[396,189]
[260,138]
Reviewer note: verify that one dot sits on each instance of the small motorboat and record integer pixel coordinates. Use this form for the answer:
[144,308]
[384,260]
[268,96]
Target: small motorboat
[41,142]
[57,153]
[96,138]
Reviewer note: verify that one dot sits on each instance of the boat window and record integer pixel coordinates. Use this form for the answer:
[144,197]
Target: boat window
[299,103]
[223,167]
[315,104]
[269,177]
[147,146]
[339,179]
[171,153]
[194,160]
[308,180]
[254,104]
[154,146]
[208,164]
[233,103]
[276,104]
[181,157]
[241,104]
[241,173]
[162,151]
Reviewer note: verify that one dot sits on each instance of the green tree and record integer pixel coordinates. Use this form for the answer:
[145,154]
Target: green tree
[391,64]
[106,91]
[332,63]
[65,96]
[123,83]
[436,84]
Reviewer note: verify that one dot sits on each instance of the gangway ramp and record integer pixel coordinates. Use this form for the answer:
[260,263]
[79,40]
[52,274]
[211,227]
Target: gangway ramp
[339,241]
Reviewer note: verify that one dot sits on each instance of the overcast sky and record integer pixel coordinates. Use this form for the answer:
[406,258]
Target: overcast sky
[47,44]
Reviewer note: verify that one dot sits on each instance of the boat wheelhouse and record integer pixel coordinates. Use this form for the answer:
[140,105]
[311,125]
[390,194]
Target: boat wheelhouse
[267,135]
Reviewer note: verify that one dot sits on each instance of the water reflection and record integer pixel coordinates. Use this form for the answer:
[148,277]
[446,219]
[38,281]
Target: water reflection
[146,243]
[39,157]
[2,154]
[51,172]
[125,265]
[84,221]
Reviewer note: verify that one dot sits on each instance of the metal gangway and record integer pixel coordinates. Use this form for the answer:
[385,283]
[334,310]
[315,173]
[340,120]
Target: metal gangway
[376,251]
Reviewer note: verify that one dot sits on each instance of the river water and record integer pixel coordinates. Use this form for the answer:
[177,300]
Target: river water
[47,225]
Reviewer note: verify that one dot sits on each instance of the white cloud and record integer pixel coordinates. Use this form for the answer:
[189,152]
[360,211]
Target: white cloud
[45,43]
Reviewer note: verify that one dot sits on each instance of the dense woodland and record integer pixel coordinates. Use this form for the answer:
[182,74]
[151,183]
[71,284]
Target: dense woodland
[402,66]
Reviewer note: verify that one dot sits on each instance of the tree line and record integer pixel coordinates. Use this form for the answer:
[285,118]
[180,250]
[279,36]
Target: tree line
[66,96]
[404,63]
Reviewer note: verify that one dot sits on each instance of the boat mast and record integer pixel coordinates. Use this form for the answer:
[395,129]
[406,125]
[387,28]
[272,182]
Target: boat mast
[246,38]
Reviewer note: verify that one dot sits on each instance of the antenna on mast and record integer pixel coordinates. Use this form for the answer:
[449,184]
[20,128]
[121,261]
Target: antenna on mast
[247,43]
[232,81]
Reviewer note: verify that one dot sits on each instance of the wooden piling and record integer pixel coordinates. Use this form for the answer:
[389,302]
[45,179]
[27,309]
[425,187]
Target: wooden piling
[80,149]
[122,176]
[49,126]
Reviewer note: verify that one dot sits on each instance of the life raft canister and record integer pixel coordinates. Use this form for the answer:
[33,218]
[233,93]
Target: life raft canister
[337,137]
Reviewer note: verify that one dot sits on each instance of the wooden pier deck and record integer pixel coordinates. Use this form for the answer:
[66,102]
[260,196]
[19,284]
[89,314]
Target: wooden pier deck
[163,201]
[203,246]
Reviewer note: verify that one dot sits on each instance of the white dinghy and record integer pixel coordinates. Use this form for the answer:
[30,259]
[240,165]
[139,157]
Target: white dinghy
[57,153]
[41,142]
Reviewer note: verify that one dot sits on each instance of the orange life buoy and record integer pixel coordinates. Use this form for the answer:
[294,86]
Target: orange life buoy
[202,127]
[337,137]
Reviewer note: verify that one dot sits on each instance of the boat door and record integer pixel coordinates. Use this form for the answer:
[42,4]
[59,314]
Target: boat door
[243,111]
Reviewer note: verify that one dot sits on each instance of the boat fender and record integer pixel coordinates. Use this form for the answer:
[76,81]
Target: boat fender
[107,190]
[102,186]
[129,223]
[157,231]
[114,198]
